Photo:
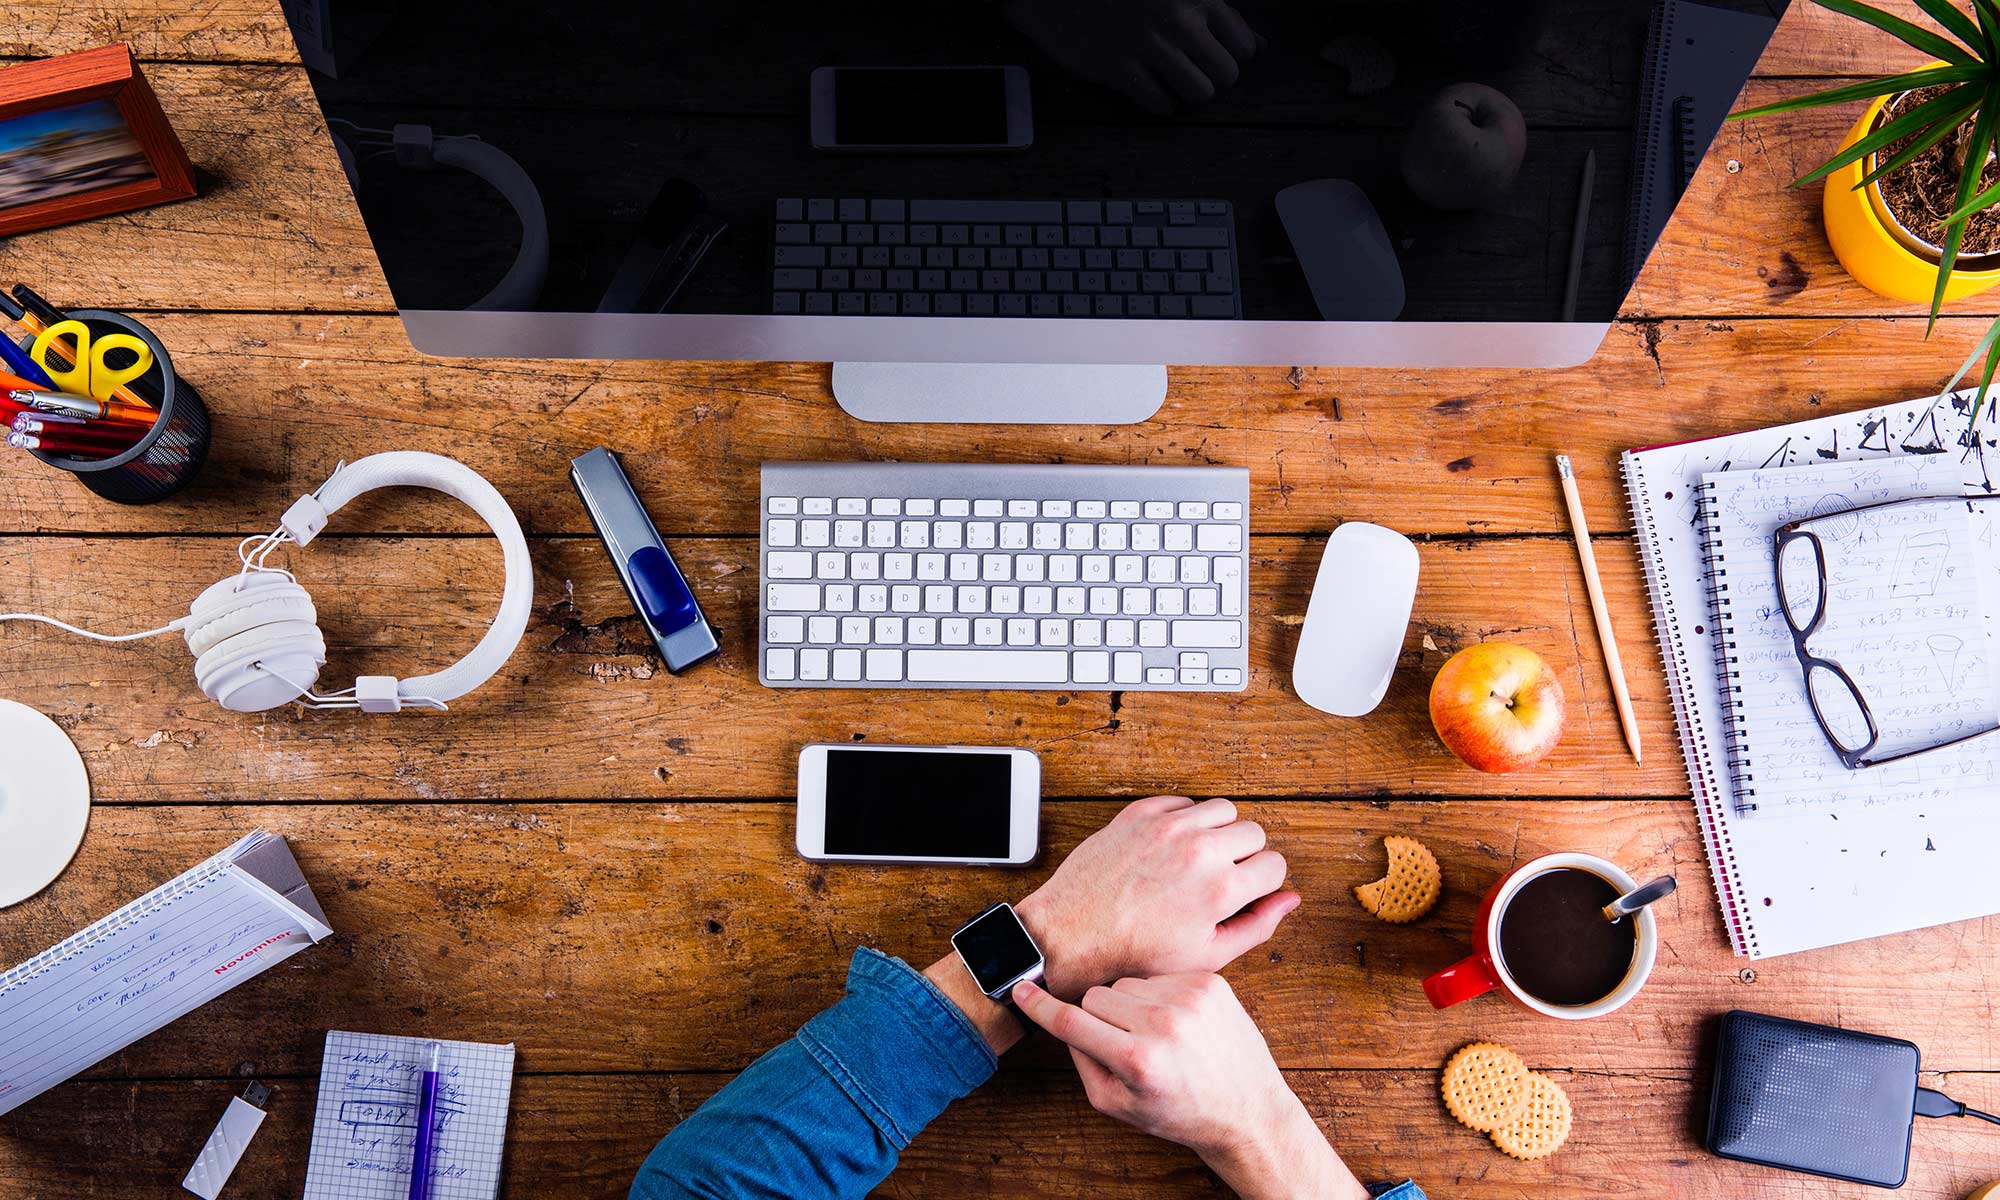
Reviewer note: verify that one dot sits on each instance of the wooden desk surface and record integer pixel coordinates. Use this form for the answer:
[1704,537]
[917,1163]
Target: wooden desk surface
[593,859]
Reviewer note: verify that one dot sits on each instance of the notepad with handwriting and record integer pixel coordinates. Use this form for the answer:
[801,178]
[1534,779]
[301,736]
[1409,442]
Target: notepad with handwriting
[1901,618]
[364,1126]
[172,950]
[1833,873]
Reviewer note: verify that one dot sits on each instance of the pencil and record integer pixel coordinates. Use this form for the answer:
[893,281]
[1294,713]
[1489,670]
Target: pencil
[1577,234]
[1612,665]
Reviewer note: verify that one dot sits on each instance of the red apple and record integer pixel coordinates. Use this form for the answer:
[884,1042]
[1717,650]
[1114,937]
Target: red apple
[1497,706]
[1464,147]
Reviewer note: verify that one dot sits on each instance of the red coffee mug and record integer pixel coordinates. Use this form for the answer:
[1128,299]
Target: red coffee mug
[1484,971]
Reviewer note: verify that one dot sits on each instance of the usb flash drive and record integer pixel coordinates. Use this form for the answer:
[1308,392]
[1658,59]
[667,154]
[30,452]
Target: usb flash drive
[651,577]
[226,1145]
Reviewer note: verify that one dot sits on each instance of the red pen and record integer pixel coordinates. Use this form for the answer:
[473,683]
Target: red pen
[64,441]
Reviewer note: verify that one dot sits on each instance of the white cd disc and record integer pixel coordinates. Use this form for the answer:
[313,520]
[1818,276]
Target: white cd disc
[44,801]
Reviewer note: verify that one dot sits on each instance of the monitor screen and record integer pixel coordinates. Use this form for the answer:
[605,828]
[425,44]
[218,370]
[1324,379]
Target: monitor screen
[1157,161]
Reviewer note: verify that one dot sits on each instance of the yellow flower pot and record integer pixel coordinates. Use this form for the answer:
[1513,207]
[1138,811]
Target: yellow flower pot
[1990,1190]
[1864,236]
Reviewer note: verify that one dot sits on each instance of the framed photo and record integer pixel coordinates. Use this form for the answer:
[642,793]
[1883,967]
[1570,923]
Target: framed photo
[82,136]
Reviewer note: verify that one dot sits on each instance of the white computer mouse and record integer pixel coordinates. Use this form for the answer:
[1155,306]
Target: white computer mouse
[1360,609]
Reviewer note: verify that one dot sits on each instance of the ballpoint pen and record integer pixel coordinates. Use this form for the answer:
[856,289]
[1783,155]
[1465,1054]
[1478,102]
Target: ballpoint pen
[62,442]
[420,1157]
[83,406]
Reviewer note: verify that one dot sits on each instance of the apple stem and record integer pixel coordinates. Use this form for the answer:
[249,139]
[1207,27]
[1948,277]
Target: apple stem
[1506,700]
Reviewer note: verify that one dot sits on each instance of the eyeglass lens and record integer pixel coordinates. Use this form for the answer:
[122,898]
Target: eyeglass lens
[1839,707]
[1799,581]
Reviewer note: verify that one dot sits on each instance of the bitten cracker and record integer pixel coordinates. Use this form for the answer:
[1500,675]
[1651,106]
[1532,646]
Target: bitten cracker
[1410,888]
[1485,1087]
[1543,1125]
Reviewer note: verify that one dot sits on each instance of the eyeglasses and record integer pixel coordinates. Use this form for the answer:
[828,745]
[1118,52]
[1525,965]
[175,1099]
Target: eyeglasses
[1837,703]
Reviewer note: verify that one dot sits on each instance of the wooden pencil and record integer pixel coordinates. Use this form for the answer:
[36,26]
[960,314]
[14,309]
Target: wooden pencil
[1605,637]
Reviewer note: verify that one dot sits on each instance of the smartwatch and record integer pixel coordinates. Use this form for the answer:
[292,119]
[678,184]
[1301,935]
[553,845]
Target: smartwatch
[999,952]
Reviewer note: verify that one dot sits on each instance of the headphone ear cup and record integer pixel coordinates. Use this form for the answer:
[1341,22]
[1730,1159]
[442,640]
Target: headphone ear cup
[256,641]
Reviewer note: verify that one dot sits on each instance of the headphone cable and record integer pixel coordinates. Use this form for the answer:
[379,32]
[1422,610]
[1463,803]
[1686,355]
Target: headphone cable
[170,627]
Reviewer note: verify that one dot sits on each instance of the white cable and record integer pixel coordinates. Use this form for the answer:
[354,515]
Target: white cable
[102,637]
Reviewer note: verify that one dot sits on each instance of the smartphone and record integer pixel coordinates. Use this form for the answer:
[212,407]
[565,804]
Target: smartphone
[921,109]
[919,804]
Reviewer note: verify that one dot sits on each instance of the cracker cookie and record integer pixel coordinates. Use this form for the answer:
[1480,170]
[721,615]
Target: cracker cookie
[1486,1087]
[1543,1125]
[1409,889]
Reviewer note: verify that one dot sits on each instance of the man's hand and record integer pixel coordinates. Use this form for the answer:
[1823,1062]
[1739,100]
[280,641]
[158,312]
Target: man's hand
[1159,54]
[1177,1057]
[1169,885]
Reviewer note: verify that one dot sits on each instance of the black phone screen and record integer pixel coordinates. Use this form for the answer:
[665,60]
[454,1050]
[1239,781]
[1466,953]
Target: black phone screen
[955,106]
[917,803]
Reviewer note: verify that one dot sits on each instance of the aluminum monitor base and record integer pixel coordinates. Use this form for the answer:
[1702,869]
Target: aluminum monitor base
[999,393]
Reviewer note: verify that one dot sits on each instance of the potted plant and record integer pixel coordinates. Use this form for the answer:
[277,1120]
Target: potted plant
[1910,196]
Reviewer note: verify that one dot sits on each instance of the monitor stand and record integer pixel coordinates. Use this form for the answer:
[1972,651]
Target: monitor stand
[999,393]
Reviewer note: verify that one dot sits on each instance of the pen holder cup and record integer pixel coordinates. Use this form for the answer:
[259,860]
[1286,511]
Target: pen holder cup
[166,459]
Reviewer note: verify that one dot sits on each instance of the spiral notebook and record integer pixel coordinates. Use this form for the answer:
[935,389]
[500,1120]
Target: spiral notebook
[153,961]
[1829,872]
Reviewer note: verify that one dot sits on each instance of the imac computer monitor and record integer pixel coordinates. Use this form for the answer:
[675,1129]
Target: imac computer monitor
[1090,184]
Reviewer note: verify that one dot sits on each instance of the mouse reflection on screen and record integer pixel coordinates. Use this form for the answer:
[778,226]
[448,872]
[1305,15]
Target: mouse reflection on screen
[1345,253]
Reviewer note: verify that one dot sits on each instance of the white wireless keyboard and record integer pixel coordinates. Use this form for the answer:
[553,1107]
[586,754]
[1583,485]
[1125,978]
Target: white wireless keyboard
[921,575]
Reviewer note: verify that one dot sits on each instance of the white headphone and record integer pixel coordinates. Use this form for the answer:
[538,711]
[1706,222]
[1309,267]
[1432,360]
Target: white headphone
[255,635]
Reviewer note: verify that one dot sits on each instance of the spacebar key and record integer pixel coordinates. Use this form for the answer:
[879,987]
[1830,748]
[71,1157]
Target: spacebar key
[993,212]
[987,666]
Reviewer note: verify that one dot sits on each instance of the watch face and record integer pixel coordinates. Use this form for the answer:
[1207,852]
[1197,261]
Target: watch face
[996,948]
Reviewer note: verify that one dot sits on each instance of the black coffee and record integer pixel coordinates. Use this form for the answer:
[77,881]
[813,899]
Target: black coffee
[1556,943]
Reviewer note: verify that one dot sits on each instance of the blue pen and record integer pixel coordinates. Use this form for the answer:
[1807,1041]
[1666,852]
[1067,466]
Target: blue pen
[19,363]
[420,1159]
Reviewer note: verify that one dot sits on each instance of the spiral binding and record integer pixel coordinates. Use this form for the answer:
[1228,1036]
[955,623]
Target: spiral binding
[1735,734]
[1703,773]
[156,901]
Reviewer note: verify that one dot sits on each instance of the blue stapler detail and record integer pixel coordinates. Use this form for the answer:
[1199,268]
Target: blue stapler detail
[658,589]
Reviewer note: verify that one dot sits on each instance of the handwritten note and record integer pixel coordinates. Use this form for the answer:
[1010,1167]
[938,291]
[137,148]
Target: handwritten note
[364,1128]
[154,960]
[1903,619]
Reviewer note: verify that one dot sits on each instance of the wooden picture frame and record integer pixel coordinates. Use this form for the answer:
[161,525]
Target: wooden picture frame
[88,139]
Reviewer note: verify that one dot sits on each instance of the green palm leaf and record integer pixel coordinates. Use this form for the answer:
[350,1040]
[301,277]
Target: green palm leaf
[1990,347]
[1913,35]
[1968,183]
[1937,134]
[1869,89]
[1946,111]
[1949,15]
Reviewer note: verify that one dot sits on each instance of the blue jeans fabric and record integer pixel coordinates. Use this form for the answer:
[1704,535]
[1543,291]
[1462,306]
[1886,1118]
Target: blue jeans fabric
[827,1113]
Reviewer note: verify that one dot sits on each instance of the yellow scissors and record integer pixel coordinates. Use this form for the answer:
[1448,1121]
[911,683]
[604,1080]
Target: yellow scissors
[89,373]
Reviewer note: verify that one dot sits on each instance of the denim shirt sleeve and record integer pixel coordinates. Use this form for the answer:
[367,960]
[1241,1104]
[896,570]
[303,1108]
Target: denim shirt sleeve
[828,1112]
[1405,1190]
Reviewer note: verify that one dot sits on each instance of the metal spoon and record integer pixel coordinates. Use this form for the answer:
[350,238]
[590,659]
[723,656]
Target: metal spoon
[1639,898]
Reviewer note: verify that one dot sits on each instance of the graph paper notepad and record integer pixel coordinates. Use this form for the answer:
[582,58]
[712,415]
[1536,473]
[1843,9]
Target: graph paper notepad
[364,1127]
[160,957]
[1821,878]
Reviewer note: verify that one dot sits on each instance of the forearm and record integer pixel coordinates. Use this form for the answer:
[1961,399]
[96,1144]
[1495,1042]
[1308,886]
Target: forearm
[1288,1158]
[828,1112]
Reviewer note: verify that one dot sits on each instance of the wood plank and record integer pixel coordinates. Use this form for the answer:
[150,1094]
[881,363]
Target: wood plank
[1026,1133]
[274,225]
[1448,452]
[1818,41]
[672,936]
[234,31]
[1744,242]
[625,728]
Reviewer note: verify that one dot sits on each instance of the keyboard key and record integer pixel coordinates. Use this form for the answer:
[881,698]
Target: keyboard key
[1055,631]
[1202,237]
[1215,308]
[1228,677]
[1229,576]
[1021,631]
[823,631]
[992,667]
[1092,666]
[847,665]
[1194,676]
[886,210]
[1152,633]
[839,598]
[788,564]
[854,630]
[885,666]
[854,210]
[780,664]
[1125,667]
[1218,635]
[987,631]
[1227,512]
[813,665]
[1121,633]
[1219,539]
[954,508]
[1159,675]
[792,597]
[1085,631]
[782,533]
[789,630]
[954,631]
[788,234]
[795,279]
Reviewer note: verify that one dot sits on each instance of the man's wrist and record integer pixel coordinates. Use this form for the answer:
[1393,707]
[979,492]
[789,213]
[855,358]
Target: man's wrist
[1000,1027]
[1066,963]
[1283,1157]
